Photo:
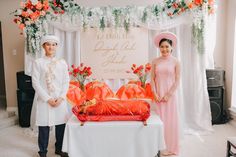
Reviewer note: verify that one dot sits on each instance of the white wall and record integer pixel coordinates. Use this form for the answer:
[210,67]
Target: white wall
[233,98]
[224,48]
[219,56]
[12,41]
[228,48]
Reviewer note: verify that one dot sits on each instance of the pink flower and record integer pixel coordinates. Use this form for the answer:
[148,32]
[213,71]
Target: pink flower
[175,5]
[62,12]
[21,26]
[39,6]
[45,7]
[22,4]
[34,16]
[169,14]
[211,2]
[190,5]
[42,13]
[25,14]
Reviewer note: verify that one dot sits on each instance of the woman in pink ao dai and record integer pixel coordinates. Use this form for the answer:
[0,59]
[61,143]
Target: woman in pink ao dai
[165,79]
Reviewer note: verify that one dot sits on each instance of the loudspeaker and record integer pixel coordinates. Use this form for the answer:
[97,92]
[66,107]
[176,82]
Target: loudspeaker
[217,106]
[25,101]
[216,91]
[24,82]
[215,77]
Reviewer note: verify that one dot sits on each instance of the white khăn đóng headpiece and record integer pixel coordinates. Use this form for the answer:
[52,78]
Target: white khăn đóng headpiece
[50,38]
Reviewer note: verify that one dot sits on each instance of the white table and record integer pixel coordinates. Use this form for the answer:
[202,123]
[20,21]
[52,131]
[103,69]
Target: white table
[114,138]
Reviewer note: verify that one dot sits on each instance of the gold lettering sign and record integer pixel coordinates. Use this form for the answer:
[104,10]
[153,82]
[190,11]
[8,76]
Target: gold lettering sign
[111,52]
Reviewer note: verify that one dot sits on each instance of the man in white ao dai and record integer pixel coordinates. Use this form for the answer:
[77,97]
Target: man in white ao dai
[51,81]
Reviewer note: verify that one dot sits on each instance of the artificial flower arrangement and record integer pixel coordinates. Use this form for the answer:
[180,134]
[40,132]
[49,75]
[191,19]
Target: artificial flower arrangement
[142,72]
[33,10]
[30,11]
[80,73]
[33,15]
[178,7]
[64,6]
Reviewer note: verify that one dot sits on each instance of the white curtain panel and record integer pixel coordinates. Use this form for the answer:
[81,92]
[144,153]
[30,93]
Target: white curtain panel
[194,101]
[194,105]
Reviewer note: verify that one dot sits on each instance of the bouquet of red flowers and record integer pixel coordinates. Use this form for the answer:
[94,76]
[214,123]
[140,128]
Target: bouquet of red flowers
[80,73]
[141,71]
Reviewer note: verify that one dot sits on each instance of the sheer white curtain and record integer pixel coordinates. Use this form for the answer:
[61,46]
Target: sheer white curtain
[195,115]
[194,101]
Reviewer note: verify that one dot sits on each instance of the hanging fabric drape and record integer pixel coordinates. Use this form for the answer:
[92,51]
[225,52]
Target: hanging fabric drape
[193,98]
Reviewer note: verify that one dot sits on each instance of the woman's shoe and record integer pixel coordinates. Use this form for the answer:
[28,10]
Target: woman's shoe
[167,153]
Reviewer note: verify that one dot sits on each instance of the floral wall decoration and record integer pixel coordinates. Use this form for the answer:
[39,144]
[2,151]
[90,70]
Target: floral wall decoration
[33,15]
[198,35]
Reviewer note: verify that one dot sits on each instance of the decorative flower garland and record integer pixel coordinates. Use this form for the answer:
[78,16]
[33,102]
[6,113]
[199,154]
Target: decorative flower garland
[33,14]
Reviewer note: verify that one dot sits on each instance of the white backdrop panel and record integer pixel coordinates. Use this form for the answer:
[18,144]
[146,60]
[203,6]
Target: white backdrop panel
[111,52]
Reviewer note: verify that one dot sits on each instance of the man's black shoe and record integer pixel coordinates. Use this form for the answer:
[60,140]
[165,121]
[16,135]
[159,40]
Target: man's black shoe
[61,153]
[42,155]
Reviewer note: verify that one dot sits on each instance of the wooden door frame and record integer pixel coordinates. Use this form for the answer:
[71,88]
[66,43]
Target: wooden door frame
[2,80]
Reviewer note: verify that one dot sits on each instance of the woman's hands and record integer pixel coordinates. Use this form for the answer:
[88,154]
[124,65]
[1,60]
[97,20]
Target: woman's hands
[156,98]
[166,97]
[163,99]
[55,102]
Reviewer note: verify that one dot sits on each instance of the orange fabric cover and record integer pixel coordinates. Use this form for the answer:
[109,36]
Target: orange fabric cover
[149,93]
[148,88]
[98,90]
[130,91]
[111,110]
[135,82]
[75,95]
[75,83]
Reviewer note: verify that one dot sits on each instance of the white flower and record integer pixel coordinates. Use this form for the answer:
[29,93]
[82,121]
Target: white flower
[45,25]
[97,11]
[66,4]
[38,34]
[48,17]
[188,1]
[29,11]
[18,12]
[34,2]
[27,22]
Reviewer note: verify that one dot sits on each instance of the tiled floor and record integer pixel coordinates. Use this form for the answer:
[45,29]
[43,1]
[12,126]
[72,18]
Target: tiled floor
[20,142]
